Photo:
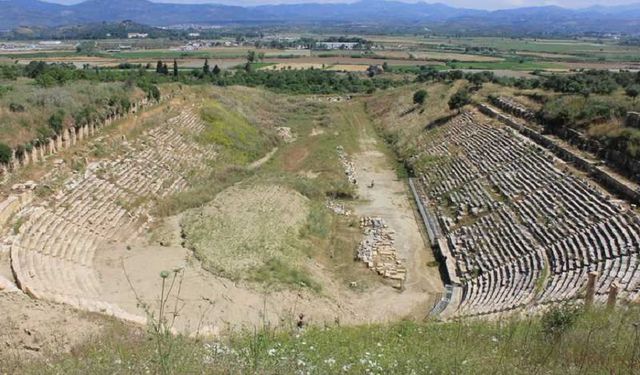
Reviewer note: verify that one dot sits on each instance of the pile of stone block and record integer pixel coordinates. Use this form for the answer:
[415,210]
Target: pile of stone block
[377,249]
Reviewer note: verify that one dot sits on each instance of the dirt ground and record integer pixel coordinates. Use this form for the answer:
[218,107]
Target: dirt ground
[389,199]
[31,328]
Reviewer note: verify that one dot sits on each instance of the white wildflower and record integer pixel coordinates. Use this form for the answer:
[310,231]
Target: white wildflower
[330,361]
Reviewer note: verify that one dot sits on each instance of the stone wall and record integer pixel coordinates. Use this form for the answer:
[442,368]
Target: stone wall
[513,107]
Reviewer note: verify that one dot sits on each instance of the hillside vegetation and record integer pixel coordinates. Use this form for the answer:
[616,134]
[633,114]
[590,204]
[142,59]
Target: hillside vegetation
[565,340]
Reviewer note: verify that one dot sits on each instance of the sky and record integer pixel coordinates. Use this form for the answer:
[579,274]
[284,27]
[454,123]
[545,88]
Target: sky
[484,4]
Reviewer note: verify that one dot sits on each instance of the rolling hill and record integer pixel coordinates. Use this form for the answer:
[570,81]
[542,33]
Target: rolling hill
[440,17]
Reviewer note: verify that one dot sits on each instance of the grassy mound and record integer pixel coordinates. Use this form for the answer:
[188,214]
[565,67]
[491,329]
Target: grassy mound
[250,233]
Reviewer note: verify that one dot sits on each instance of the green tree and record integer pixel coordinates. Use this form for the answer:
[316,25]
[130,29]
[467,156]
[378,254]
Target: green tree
[5,153]
[419,97]
[216,70]
[205,67]
[251,57]
[633,91]
[56,121]
[175,68]
[153,93]
[159,67]
[86,48]
[459,100]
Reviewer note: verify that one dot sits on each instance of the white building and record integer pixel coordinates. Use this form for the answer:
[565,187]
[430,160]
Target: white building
[137,35]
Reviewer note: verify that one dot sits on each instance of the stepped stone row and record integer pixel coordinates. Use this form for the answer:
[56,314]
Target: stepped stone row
[508,212]
[53,254]
[377,251]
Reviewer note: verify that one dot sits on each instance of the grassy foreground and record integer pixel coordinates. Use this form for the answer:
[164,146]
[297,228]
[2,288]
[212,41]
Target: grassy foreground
[563,341]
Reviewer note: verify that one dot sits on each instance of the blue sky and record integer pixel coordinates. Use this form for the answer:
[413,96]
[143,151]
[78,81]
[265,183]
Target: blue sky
[484,4]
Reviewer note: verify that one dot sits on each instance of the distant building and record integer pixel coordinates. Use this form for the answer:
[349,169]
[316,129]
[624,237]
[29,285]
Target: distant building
[50,43]
[194,35]
[336,45]
[137,35]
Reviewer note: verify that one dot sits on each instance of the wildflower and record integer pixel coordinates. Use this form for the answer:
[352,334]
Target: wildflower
[271,352]
[330,361]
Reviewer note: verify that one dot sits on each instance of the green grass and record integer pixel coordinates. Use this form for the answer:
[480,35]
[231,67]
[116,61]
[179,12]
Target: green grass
[526,65]
[565,341]
[275,273]
[318,221]
[40,55]
[242,142]
[154,54]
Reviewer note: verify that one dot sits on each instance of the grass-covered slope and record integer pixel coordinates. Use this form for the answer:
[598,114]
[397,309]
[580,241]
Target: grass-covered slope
[28,111]
[563,341]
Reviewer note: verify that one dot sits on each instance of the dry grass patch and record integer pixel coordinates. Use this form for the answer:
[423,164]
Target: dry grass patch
[247,232]
[447,56]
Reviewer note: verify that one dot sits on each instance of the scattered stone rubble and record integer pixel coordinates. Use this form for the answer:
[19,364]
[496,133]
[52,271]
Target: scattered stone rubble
[285,134]
[377,250]
[338,208]
[347,164]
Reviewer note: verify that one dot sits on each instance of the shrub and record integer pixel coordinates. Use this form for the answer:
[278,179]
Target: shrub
[16,107]
[459,99]
[5,153]
[56,121]
[633,91]
[559,319]
[5,89]
[419,97]
[153,93]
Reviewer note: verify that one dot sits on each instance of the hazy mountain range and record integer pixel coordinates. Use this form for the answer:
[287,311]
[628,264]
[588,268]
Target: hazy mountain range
[542,20]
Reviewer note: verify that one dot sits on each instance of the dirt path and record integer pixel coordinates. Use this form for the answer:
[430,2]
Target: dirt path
[389,199]
[258,163]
